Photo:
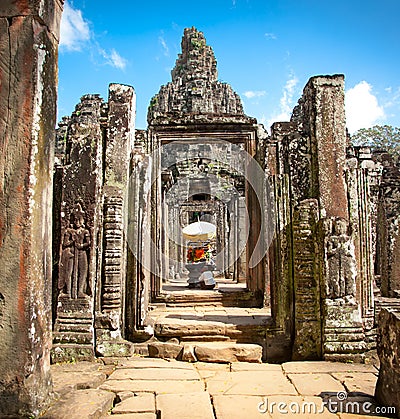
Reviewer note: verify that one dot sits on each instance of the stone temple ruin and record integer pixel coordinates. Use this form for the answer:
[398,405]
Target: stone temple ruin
[307,228]
[306,224]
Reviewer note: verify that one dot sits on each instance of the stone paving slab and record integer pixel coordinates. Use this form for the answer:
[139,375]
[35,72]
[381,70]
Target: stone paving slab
[210,369]
[353,416]
[250,366]
[238,407]
[188,405]
[64,382]
[82,404]
[154,386]
[313,384]
[137,403]
[256,383]
[140,362]
[295,406]
[83,366]
[295,367]
[155,374]
[146,415]
[357,381]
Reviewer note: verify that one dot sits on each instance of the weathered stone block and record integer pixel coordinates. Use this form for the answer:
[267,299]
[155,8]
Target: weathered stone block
[387,388]
[164,350]
[228,352]
[71,352]
[115,347]
[188,353]
[79,404]
[136,403]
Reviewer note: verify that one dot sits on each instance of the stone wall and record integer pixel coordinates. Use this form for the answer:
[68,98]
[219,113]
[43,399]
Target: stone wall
[316,253]
[28,93]
[387,388]
[94,149]
[388,228]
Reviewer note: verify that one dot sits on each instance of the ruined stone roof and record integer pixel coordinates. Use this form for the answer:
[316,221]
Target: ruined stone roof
[195,95]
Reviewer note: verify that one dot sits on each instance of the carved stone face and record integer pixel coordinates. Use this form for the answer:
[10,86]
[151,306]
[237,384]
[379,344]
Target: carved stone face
[79,222]
[341,227]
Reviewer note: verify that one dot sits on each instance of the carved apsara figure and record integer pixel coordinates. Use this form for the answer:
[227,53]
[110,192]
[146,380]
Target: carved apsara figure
[67,261]
[340,262]
[74,259]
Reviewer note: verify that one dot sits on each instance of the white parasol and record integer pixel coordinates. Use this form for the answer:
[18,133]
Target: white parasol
[199,231]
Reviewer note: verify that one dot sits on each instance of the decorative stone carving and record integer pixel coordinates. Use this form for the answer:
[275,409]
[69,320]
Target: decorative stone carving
[73,272]
[307,265]
[79,196]
[341,268]
[113,245]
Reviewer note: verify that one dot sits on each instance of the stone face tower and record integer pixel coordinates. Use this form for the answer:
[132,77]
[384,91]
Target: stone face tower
[195,91]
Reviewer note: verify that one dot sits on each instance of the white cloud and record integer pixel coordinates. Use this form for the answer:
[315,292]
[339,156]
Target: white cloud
[362,107]
[164,45]
[254,93]
[286,102]
[75,34]
[113,59]
[74,29]
[270,35]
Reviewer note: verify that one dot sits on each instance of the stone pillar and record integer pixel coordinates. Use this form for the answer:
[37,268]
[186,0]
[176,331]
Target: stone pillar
[387,388]
[81,206]
[324,116]
[306,275]
[138,236]
[362,177]
[388,230]
[28,90]
[118,146]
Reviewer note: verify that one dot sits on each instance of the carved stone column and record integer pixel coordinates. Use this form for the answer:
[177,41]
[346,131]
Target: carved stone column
[307,277]
[119,142]
[81,206]
[28,93]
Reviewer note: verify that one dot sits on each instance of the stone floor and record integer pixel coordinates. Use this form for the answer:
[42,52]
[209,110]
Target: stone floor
[146,388]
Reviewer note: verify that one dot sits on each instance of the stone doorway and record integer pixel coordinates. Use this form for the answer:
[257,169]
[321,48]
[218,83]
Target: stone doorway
[197,185]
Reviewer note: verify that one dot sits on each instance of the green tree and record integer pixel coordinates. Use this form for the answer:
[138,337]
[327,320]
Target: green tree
[382,137]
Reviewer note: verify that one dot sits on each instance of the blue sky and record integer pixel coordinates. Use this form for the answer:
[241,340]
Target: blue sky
[266,49]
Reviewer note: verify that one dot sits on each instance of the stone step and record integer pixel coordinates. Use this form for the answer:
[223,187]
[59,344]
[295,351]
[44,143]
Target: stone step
[72,337]
[219,352]
[65,352]
[205,338]
[241,329]
[69,327]
[227,352]
[210,298]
